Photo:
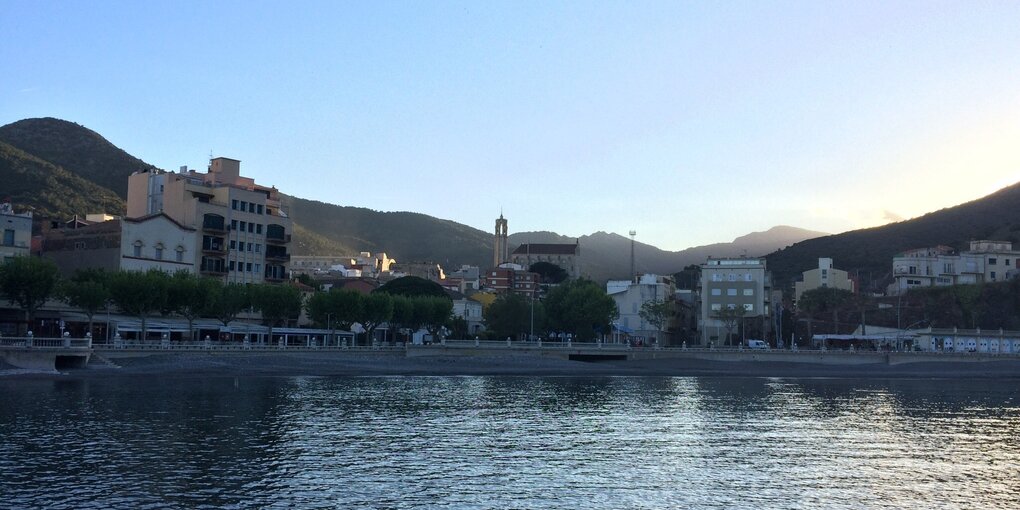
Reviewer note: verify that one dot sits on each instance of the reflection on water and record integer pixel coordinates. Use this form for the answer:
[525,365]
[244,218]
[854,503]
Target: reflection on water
[503,442]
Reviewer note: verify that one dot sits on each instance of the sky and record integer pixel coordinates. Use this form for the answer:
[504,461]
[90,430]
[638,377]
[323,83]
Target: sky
[688,122]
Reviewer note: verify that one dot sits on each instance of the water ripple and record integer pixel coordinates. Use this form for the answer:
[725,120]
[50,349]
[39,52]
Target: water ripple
[497,442]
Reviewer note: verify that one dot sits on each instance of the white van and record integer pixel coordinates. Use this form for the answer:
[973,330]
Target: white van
[757,344]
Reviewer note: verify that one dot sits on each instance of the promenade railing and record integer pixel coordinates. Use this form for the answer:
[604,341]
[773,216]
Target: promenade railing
[45,342]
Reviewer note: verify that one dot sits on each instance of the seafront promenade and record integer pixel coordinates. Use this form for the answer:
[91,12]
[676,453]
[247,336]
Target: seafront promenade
[452,357]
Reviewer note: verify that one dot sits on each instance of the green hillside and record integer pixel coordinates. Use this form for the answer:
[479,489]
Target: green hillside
[869,252]
[39,186]
[77,149]
[405,236]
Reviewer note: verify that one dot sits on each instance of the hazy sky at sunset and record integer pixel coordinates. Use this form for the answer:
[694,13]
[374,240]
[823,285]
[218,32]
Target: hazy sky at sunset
[688,122]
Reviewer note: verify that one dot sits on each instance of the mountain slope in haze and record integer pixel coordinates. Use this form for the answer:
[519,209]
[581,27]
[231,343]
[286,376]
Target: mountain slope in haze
[47,190]
[868,253]
[404,236]
[75,148]
[607,256]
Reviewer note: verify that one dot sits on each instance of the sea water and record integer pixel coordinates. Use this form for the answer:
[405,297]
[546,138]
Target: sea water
[508,442]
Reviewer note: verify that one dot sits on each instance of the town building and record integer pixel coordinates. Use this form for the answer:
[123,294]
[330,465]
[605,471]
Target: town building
[734,295]
[17,232]
[427,270]
[241,229]
[825,276]
[512,278]
[155,241]
[365,263]
[464,280]
[565,255]
[469,310]
[985,261]
[631,295]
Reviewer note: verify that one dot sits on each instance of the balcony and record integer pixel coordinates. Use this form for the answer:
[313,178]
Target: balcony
[214,223]
[276,234]
[216,248]
[277,254]
[214,267]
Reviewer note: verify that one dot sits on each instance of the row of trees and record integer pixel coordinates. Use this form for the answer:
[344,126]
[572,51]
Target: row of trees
[410,303]
[343,308]
[579,307]
[30,281]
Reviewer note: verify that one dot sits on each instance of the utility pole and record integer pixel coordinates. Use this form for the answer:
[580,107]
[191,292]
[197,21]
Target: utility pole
[632,272]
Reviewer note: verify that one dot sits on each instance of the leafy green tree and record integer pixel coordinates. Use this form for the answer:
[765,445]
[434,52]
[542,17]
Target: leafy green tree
[277,303]
[338,307]
[412,286]
[458,327]
[436,312]
[403,313]
[550,273]
[508,316]
[657,313]
[88,290]
[230,301]
[140,294]
[730,317]
[192,297]
[28,282]
[376,308]
[581,307]
[825,299]
[309,281]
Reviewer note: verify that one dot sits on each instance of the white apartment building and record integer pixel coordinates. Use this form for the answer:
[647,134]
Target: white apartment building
[630,296]
[986,261]
[17,232]
[824,276]
[732,283]
[242,233]
[157,241]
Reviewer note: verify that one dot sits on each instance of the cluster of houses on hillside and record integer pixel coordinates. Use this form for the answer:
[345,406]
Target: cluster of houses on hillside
[223,225]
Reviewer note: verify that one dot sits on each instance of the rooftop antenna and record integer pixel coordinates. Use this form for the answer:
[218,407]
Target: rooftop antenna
[632,234]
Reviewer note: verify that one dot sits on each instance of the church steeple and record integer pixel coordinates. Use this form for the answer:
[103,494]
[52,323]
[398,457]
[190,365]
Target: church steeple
[500,247]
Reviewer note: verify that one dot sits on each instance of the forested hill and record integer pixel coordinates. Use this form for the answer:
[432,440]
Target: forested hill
[869,252]
[75,148]
[47,190]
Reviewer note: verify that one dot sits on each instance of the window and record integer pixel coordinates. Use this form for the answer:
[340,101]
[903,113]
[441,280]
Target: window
[251,207]
[251,246]
[180,254]
[749,308]
[731,307]
[993,275]
[233,224]
[233,265]
[8,237]
[747,277]
[251,228]
[992,261]
[731,292]
[259,207]
[825,273]
[248,266]
[159,252]
[731,277]
[716,277]
[240,246]
[748,292]
[233,244]
[258,268]
[716,292]
[913,270]
[242,225]
[233,204]
[244,206]
[258,228]
[258,248]
[716,307]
